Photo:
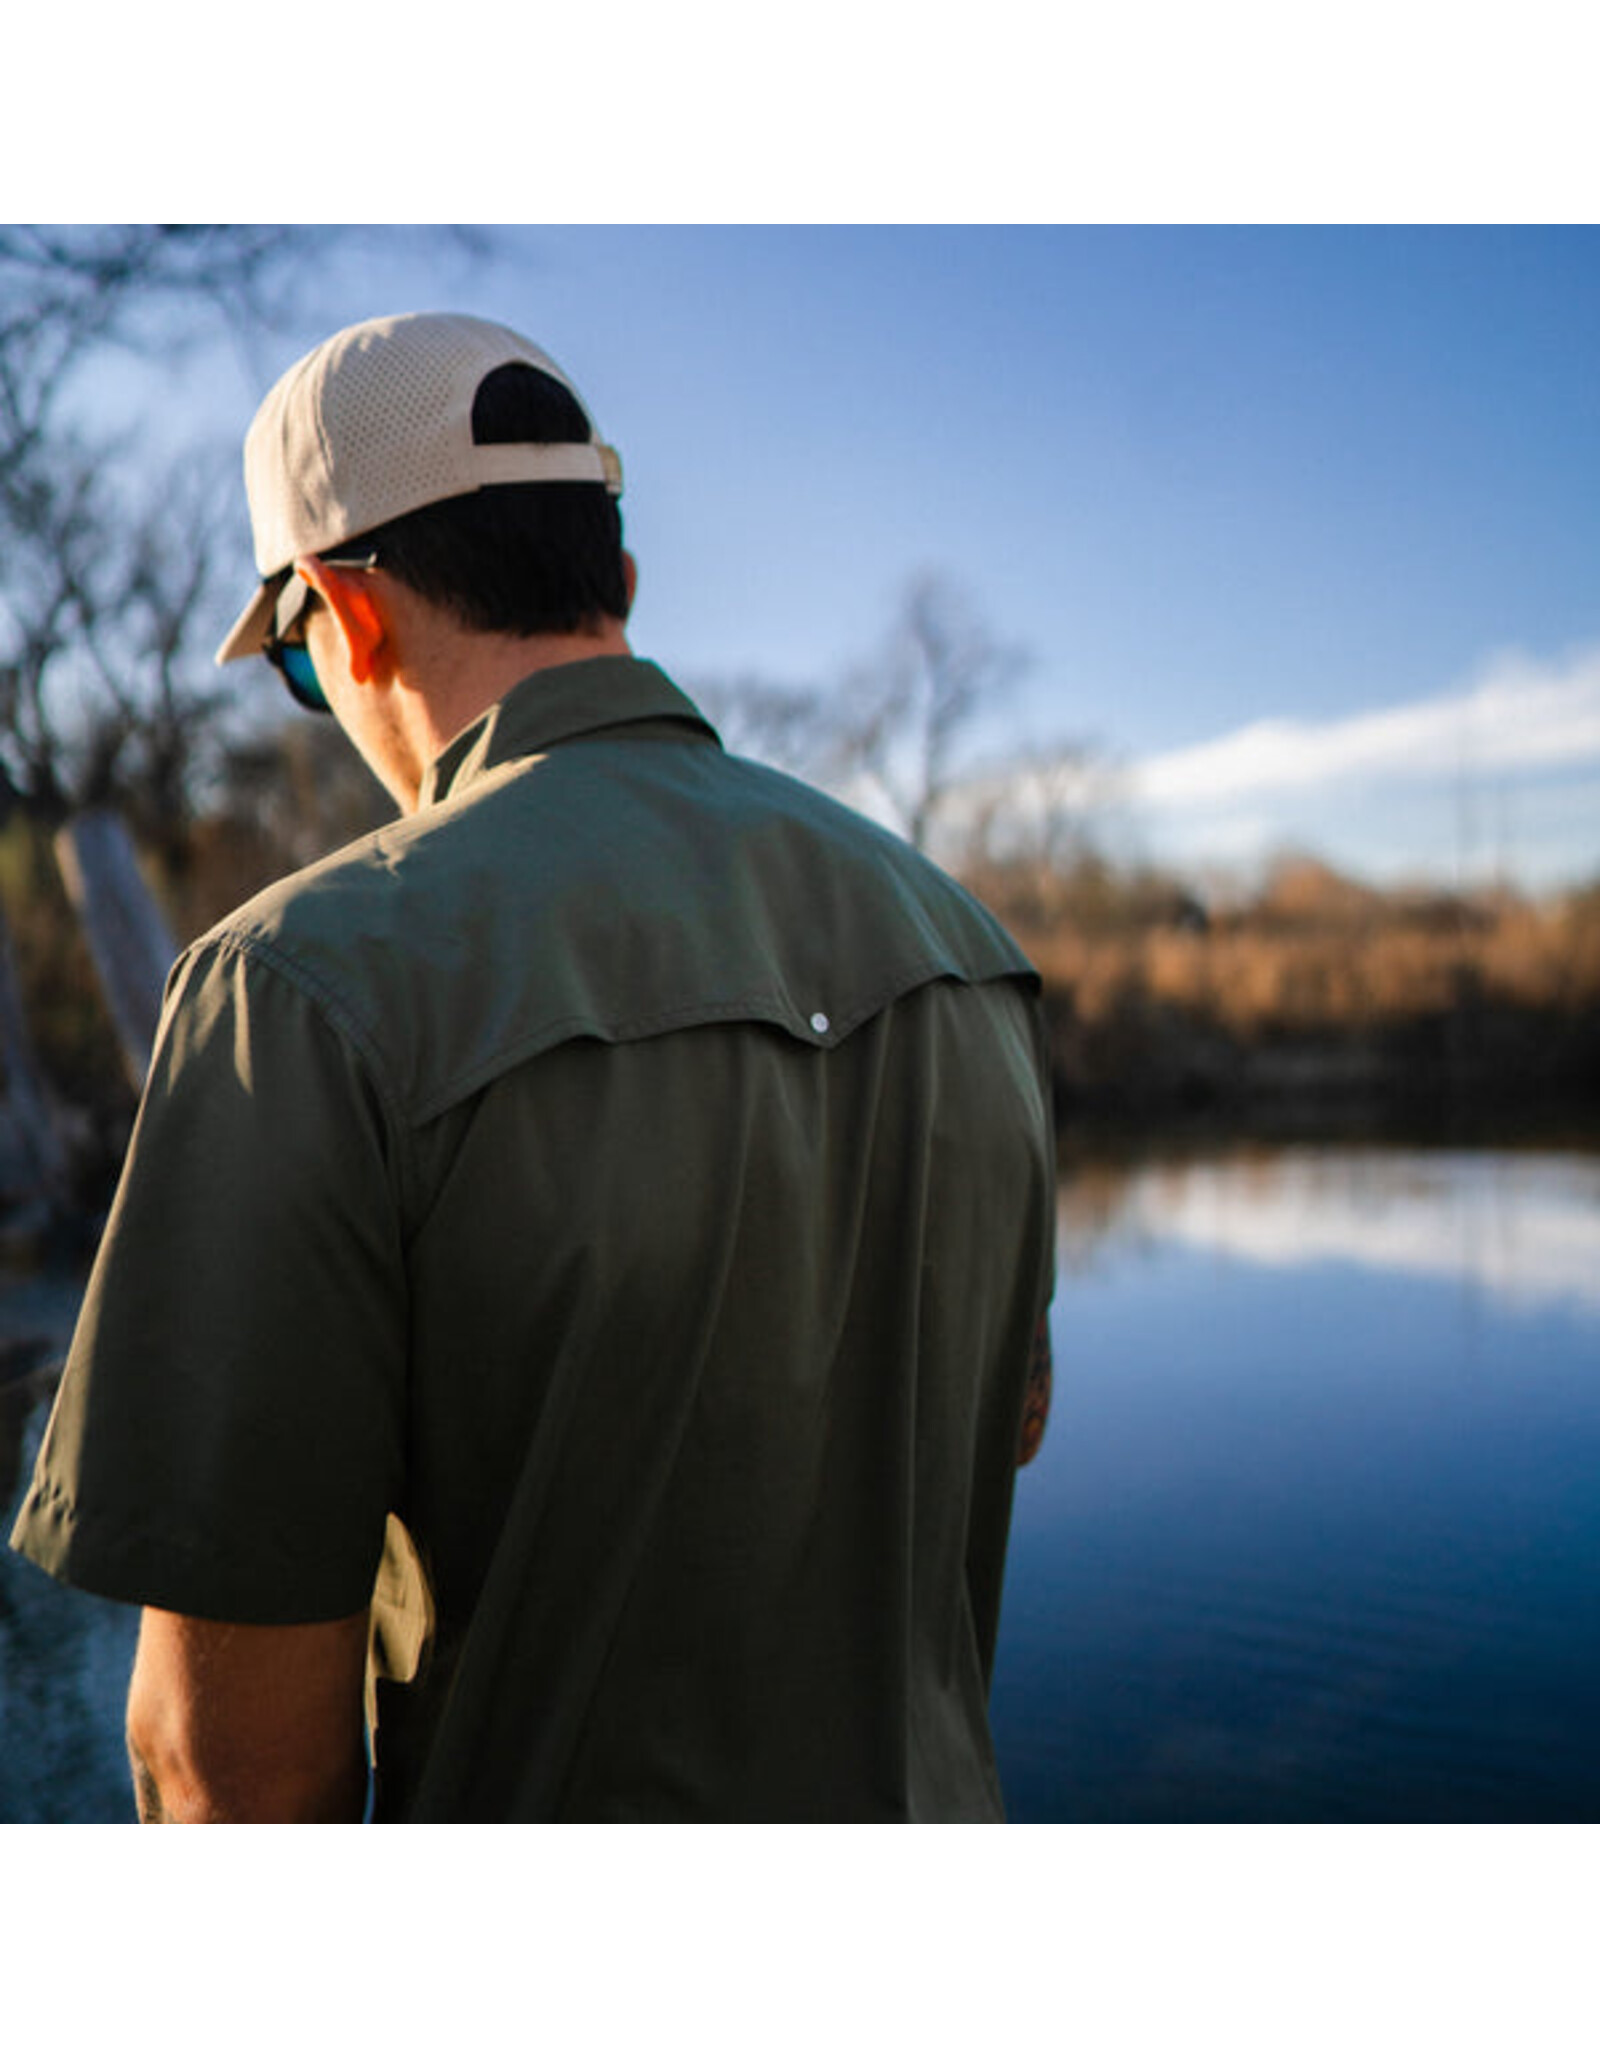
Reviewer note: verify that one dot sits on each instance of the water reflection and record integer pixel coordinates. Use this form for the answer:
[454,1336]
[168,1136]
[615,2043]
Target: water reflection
[1523,1228]
[1315,1536]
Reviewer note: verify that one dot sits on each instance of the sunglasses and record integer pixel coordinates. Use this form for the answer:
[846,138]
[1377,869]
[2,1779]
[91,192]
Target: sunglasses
[285,646]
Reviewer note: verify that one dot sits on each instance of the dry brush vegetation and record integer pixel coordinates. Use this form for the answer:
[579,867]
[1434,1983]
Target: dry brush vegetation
[1312,987]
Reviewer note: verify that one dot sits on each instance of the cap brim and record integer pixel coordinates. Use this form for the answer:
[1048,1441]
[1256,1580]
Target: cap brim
[249,633]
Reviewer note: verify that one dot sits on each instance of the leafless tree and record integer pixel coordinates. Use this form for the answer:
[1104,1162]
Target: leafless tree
[64,290]
[893,735]
[109,561]
[791,726]
[907,712]
[1027,826]
[104,565]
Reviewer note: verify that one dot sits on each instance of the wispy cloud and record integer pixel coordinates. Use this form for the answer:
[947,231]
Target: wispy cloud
[1522,716]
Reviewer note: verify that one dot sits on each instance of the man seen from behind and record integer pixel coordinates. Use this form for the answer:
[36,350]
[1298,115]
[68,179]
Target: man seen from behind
[565,1335]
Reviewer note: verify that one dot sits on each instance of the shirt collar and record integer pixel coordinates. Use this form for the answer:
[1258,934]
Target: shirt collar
[553,705]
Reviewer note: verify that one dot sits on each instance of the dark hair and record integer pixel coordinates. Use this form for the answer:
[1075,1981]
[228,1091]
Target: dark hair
[514,558]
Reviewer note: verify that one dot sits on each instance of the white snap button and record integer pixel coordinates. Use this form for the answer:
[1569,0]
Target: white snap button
[819,1022]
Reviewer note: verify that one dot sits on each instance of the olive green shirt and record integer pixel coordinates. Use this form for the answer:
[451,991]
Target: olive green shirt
[610,1210]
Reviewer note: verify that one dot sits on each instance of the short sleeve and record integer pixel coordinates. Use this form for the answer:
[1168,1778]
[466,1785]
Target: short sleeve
[229,1433]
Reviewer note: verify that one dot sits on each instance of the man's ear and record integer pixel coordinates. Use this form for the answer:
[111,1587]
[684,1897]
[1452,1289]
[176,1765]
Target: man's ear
[357,607]
[630,578]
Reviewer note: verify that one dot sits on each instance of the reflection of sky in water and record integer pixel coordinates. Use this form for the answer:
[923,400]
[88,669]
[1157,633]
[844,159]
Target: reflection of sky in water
[1315,1533]
[1524,1228]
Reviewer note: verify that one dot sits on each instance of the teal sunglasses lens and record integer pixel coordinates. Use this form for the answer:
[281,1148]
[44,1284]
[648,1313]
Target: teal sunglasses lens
[299,672]
[290,656]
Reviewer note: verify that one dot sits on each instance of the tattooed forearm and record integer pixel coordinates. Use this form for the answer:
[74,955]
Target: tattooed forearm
[1036,1398]
[146,1792]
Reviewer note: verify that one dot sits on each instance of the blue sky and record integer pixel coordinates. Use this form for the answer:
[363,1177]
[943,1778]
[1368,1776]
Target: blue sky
[1299,527]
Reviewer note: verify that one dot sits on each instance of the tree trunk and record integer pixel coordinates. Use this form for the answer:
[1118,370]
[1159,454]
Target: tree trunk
[127,936]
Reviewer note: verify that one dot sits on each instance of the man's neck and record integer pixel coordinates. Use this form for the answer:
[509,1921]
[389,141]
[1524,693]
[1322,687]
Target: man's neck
[460,675]
[474,671]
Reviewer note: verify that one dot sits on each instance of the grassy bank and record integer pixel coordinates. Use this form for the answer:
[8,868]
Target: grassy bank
[1313,994]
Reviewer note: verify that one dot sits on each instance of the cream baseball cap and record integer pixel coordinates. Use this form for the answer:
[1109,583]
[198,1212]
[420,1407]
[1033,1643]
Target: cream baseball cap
[377,422]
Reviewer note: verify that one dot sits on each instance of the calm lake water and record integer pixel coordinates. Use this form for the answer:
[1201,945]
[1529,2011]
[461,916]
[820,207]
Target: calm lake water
[1315,1534]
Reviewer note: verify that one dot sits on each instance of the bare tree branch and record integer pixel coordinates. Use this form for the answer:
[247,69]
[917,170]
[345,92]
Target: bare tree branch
[910,708]
[106,694]
[786,725]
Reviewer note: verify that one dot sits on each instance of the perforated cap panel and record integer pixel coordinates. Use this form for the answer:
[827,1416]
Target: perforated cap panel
[376,422]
